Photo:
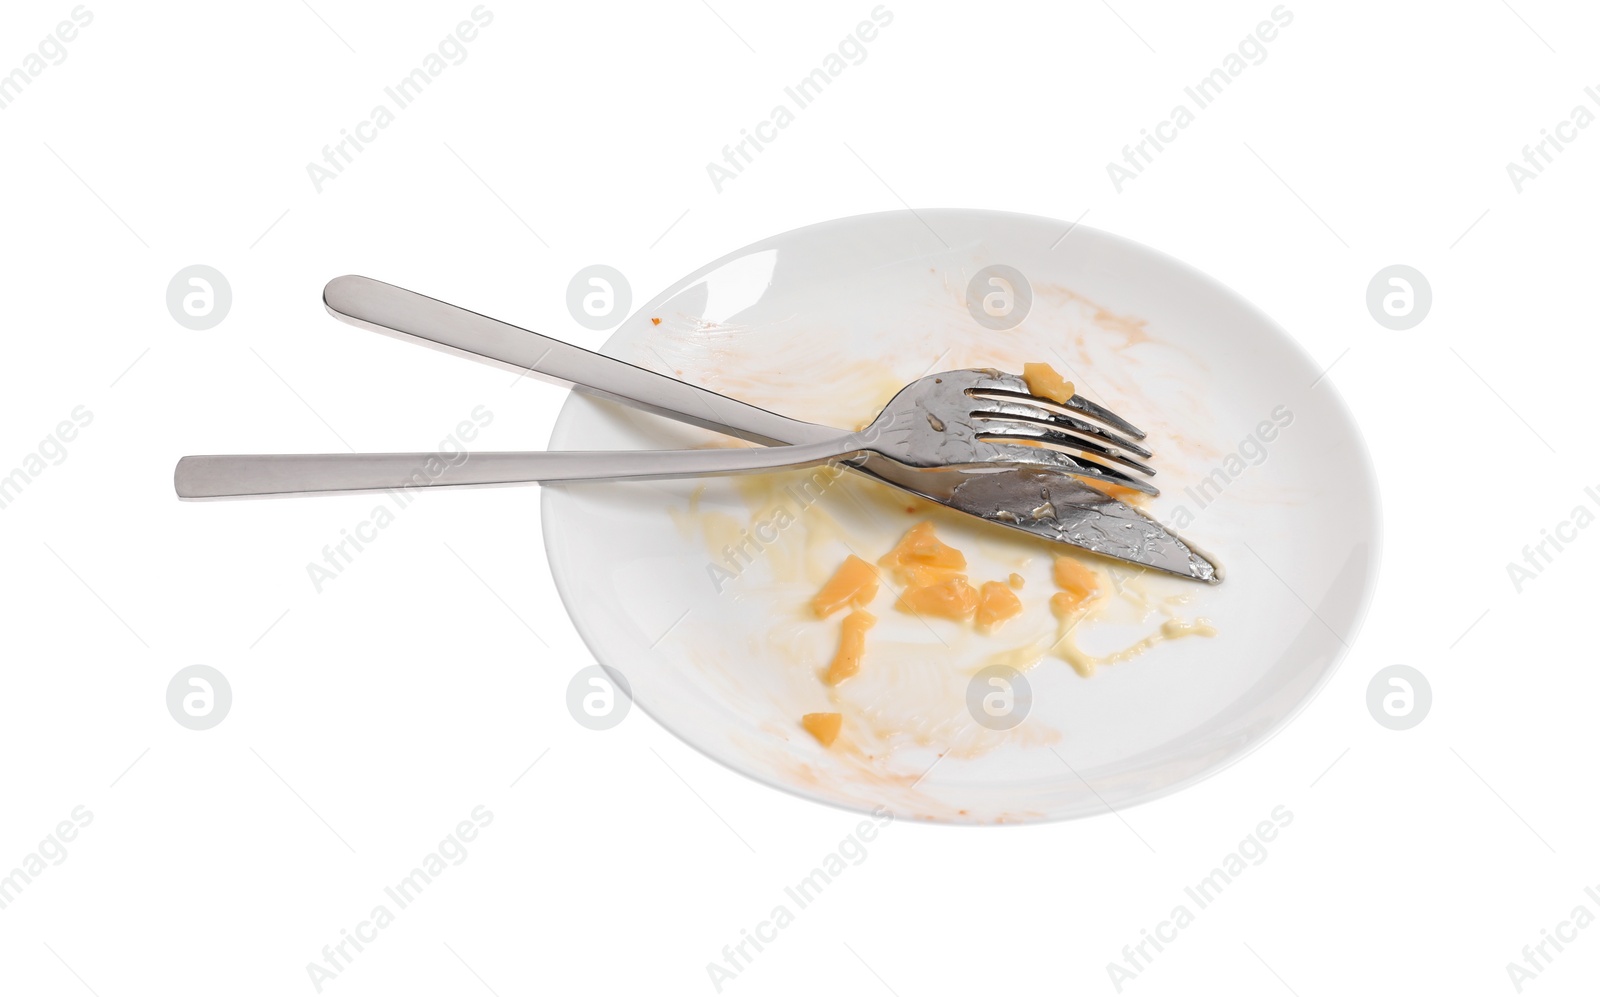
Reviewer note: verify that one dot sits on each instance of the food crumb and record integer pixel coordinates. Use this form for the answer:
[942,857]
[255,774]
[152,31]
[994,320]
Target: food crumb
[951,599]
[823,726]
[1073,576]
[852,644]
[1044,381]
[655,321]
[996,604]
[853,584]
[1064,604]
[920,558]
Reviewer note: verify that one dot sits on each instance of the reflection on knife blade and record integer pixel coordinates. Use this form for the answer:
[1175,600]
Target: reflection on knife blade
[1056,507]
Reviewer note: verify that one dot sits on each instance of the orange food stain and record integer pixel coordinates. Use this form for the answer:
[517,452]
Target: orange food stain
[1112,489]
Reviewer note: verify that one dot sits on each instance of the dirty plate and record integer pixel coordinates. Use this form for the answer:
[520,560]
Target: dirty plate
[697,591]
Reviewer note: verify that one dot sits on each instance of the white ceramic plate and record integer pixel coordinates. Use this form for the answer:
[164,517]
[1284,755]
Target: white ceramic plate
[1259,462]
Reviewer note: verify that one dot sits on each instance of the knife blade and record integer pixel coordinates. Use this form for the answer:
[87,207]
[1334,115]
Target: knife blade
[1059,508]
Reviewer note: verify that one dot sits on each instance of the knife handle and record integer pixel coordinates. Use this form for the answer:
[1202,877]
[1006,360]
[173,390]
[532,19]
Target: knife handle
[386,308]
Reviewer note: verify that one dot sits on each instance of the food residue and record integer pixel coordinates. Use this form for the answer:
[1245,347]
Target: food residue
[951,598]
[996,604]
[934,583]
[1044,381]
[655,321]
[823,726]
[1086,664]
[852,642]
[1122,493]
[1073,576]
[920,558]
[854,584]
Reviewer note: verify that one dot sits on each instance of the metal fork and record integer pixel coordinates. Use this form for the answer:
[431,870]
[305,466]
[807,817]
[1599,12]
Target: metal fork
[955,420]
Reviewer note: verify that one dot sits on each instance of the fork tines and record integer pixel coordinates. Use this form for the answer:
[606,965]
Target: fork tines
[1020,417]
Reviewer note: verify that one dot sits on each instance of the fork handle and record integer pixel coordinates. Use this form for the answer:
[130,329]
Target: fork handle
[386,308]
[224,476]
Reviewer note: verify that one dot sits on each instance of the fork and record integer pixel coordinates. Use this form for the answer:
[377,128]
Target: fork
[954,420]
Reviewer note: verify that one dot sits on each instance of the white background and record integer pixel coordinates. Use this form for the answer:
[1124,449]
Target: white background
[371,718]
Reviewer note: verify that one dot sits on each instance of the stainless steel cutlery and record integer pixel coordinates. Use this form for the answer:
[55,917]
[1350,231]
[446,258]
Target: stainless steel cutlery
[978,441]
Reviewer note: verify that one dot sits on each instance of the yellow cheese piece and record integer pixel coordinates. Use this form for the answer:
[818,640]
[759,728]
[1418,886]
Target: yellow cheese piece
[1064,604]
[852,641]
[951,599]
[996,604]
[1046,383]
[921,559]
[1073,576]
[854,584]
[823,726]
